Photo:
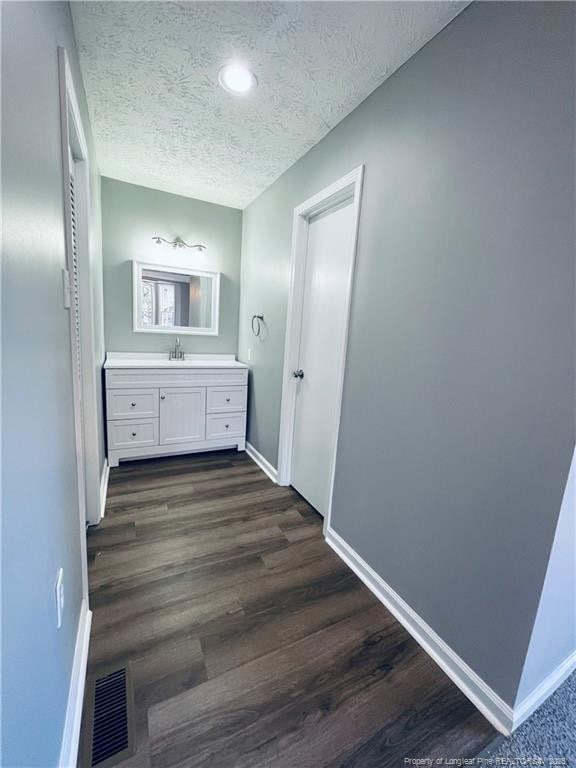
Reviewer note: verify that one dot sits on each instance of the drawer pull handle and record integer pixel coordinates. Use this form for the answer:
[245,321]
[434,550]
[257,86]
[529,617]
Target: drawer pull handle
[226,425]
[227,399]
[133,405]
[133,434]
[162,397]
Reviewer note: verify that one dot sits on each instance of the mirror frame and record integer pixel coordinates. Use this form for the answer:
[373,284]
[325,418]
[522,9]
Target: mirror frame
[138,266]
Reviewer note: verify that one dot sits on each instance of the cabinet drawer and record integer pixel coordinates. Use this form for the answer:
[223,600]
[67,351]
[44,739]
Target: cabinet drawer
[136,378]
[135,403]
[224,399]
[132,433]
[225,424]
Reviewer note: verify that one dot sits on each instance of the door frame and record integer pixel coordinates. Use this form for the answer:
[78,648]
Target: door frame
[75,160]
[349,186]
[74,143]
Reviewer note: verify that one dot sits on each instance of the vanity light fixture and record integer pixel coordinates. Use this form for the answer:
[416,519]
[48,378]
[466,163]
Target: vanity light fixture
[177,243]
[237,78]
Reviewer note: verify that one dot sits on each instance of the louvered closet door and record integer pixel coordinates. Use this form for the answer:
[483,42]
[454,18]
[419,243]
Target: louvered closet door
[74,282]
[72,264]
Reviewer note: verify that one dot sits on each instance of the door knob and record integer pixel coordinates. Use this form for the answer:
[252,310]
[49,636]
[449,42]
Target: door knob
[162,397]
[299,374]
[133,405]
[133,434]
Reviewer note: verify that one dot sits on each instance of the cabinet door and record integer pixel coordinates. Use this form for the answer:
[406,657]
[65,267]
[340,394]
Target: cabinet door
[182,414]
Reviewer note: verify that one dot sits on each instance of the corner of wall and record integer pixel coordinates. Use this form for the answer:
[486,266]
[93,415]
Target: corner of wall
[551,654]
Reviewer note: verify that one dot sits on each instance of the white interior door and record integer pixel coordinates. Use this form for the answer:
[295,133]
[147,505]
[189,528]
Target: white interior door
[329,261]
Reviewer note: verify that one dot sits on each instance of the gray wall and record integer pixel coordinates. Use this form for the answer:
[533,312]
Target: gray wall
[131,216]
[40,520]
[458,411]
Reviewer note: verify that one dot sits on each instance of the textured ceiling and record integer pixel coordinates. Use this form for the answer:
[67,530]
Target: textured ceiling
[161,120]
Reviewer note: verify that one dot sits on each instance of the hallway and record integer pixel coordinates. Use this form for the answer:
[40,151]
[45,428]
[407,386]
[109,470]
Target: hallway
[251,643]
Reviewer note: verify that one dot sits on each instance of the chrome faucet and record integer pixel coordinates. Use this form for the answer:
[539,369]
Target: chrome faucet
[176,353]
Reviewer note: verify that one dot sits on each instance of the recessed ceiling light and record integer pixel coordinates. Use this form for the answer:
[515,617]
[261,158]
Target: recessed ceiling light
[237,78]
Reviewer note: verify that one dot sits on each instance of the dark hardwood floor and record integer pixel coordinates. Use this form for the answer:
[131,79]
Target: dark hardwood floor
[251,643]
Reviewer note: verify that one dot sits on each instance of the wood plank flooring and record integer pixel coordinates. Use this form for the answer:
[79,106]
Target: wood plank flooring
[251,643]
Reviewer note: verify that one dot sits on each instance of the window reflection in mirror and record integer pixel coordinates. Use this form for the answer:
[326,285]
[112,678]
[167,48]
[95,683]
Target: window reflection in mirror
[169,299]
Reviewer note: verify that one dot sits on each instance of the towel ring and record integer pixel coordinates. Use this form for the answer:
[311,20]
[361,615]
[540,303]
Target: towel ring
[257,320]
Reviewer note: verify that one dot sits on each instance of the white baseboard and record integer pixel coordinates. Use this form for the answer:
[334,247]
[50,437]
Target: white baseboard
[530,703]
[104,487]
[71,734]
[263,463]
[492,706]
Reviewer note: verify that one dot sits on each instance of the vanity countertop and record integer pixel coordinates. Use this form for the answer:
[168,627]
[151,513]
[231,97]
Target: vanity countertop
[160,360]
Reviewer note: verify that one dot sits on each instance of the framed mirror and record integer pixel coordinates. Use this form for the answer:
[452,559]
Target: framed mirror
[174,299]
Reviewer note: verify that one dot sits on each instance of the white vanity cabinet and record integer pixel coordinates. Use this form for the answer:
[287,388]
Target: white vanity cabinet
[157,407]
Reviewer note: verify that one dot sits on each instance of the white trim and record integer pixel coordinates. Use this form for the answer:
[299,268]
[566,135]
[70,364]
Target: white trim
[153,451]
[71,733]
[179,330]
[71,102]
[89,362]
[492,706]
[547,687]
[104,487]
[263,463]
[346,187]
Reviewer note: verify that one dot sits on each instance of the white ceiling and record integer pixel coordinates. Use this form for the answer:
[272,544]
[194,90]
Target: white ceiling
[161,120]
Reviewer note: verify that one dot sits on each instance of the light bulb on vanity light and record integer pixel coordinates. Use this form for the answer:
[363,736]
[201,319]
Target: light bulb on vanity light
[178,243]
